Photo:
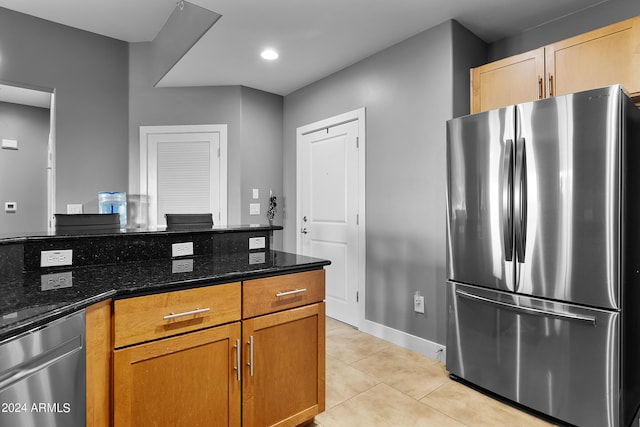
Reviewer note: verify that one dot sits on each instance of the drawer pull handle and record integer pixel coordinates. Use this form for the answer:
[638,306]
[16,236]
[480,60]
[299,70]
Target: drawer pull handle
[186,313]
[297,291]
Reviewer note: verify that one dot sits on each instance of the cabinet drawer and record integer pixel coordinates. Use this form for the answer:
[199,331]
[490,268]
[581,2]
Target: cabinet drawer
[271,294]
[150,317]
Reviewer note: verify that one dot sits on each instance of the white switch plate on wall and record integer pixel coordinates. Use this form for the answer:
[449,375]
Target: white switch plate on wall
[74,209]
[254,209]
[10,144]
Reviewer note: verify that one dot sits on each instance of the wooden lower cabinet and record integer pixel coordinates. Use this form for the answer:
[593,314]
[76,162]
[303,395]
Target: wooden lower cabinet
[98,353]
[185,380]
[283,380]
[266,368]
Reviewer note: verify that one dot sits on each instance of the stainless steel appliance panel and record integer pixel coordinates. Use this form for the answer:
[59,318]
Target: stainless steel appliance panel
[568,198]
[480,150]
[560,359]
[42,376]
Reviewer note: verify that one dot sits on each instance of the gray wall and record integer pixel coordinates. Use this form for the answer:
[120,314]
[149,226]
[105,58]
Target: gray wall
[254,129]
[261,154]
[604,14]
[23,176]
[408,94]
[90,76]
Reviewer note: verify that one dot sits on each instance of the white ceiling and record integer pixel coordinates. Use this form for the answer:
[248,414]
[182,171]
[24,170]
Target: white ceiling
[315,38]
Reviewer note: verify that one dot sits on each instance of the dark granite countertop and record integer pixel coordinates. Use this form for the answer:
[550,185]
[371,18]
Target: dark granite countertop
[20,237]
[33,298]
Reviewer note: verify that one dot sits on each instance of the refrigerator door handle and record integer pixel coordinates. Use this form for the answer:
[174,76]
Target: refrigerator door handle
[521,199]
[529,310]
[507,200]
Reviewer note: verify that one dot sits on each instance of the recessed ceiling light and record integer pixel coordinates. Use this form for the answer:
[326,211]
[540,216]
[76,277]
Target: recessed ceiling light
[269,54]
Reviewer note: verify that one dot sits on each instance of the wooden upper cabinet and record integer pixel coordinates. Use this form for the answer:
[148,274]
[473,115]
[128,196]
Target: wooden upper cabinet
[508,81]
[606,56]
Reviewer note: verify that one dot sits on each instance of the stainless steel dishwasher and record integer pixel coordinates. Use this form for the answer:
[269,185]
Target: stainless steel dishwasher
[42,375]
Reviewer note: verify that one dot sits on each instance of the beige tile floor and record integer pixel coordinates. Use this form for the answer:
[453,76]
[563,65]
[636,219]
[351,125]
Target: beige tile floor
[371,382]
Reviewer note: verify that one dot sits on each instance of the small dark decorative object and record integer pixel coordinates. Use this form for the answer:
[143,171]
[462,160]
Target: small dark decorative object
[271,213]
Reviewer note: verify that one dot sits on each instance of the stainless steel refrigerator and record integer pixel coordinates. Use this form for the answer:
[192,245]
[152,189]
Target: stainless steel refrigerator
[543,255]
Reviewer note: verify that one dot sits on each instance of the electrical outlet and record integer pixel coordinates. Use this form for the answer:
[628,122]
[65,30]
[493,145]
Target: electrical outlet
[182,266]
[418,303]
[56,281]
[182,249]
[56,258]
[10,207]
[257,258]
[256,243]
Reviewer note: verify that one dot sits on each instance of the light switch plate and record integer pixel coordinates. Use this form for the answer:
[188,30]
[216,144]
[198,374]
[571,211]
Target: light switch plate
[10,144]
[256,193]
[73,209]
[254,209]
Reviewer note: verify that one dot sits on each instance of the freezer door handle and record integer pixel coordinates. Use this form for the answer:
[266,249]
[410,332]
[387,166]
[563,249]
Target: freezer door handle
[507,200]
[529,310]
[521,199]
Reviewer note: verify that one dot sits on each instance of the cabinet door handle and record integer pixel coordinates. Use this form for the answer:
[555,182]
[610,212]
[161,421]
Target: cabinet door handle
[297,291]
[540,86]
[238,358]
[550,83]
[186,313]
[250,364]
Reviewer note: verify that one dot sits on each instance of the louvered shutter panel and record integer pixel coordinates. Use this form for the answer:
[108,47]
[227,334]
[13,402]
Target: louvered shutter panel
[184,179]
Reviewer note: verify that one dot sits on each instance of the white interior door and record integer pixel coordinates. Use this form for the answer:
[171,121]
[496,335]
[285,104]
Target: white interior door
[331,217]
[183,170]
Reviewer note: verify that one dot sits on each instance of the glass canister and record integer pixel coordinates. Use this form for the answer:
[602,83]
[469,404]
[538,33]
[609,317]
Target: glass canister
[114,202]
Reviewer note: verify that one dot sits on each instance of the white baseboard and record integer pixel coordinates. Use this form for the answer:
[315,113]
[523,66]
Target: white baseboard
[419,345]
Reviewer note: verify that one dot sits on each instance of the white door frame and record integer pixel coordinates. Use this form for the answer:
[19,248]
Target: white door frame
[349,116]
[147,131]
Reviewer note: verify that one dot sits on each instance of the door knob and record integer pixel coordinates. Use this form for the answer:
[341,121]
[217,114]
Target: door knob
[304,230]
